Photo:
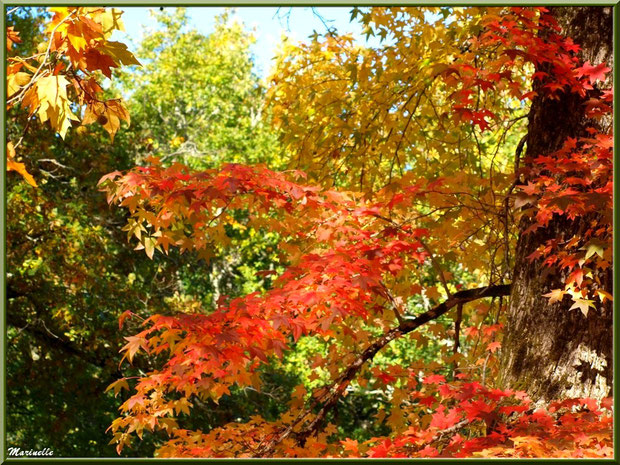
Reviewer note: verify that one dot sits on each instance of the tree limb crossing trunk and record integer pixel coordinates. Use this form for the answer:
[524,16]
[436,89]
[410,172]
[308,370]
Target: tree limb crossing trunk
[338,387]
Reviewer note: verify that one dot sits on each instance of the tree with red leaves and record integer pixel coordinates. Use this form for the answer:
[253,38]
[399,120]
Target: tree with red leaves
[412,196]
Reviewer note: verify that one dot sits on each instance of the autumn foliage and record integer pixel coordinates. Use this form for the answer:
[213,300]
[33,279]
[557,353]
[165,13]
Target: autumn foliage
[65,71]
[399,193]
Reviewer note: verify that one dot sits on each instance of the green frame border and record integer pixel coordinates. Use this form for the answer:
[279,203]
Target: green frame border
[295,3]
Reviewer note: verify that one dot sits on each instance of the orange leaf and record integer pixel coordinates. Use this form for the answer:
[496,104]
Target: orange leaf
[12,165]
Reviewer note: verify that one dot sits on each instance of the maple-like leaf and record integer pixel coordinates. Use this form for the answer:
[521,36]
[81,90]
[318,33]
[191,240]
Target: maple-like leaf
[340,262]
[494,346]
[446,419]
[119,53]
[584,305]
[522,199]
[556,295]
[117,386]
[12,165]
[593,73]
[434,379]
[134,344]
[594,246]
[12,37]
[54,104]
[350,445]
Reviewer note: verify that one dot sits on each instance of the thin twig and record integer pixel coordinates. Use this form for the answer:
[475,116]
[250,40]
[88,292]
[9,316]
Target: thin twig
[457,335]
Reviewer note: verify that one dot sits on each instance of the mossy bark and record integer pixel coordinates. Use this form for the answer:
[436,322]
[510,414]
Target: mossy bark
[549,351]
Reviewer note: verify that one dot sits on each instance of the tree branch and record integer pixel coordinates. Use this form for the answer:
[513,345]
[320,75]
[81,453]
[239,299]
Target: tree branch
[338,387]
[51,340]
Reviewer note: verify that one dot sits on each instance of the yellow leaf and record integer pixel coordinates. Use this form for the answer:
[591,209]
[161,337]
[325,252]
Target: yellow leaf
[31,100]
[117,386]
[149,246]
[54,105]
[60,13]
[109,114]
[594,247]
[111,20]
[119,53]
[604,295]
[556,295]
[583,305]
[78,42]
[15,81]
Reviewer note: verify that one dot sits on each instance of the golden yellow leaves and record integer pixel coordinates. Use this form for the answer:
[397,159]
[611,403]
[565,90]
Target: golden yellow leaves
[119,53]
[53,104]
[76,49]
[148,244]
[81,25]
[556,295]
[578,296]
[81,34]
[47,97]
[16,81]
[177,141]
[117,386]
[110,21]
[109,114]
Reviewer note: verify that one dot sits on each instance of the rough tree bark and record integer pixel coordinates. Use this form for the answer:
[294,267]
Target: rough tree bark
[549,351]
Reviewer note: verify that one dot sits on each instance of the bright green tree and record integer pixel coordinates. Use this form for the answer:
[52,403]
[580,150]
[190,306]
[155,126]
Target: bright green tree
[196,98]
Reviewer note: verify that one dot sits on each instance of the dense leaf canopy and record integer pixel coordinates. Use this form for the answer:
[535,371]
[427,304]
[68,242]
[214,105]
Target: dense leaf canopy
[327,260]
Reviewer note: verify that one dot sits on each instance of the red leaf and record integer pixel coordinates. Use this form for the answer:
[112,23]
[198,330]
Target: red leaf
[434,379]
[594,73]
[493,346]
[442,420]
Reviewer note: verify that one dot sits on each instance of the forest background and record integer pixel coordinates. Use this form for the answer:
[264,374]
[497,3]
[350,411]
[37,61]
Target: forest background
[195,98]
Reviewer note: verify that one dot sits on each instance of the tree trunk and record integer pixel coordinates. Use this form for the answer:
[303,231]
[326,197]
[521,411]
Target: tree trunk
[549,351]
